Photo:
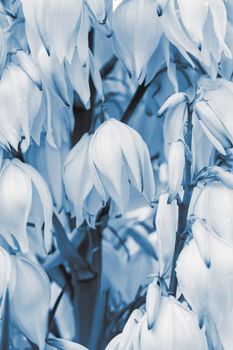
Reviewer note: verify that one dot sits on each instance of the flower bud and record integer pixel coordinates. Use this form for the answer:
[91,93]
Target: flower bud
[166,227]
[153,297]
[173,128]
[176,164]
[172,101]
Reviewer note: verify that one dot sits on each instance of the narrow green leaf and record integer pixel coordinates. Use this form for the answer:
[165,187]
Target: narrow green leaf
[77,263]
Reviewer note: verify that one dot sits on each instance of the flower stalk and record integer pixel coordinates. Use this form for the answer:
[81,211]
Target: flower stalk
[184,204]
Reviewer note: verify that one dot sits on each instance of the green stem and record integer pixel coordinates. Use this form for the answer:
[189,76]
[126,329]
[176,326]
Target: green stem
[86,293]
[184,205]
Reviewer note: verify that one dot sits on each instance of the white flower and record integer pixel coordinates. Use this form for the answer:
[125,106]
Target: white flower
[48,161]
[105,165]
[18,182]
[79,184]
[213,127]
[20,100]
[176,328]
[98,10]
[29,294]
[218,95]
[135,47]
[215,204]
[119,157]
[79,77]
[208,289]
[53,24]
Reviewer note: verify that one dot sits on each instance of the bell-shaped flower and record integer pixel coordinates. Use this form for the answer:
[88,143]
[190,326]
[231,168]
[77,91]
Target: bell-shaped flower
[119,157]
[166,227]
[20,102]
[172,27]
[18,184]
[79,184]
[176,327]
[79,77]
[210,18]
[215,204]
[98,9]
[135,47]
[213,127]
[100,13]
[55,25]
[48,161]
[29,294]
[26,63]
[112,159]
[219,95]
[207,289]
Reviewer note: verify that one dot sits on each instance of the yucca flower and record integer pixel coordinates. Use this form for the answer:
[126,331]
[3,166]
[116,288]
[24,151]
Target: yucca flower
[49,161]
[214,106]
[113,158]
[214,203]
[119,157]
[54,25]
[79,76]
[100,12]
[176,327]
[24,192]
[29,296]
[79,184]
[20,102]
[213,127]
[210,20]
[208,288]
[135,47]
